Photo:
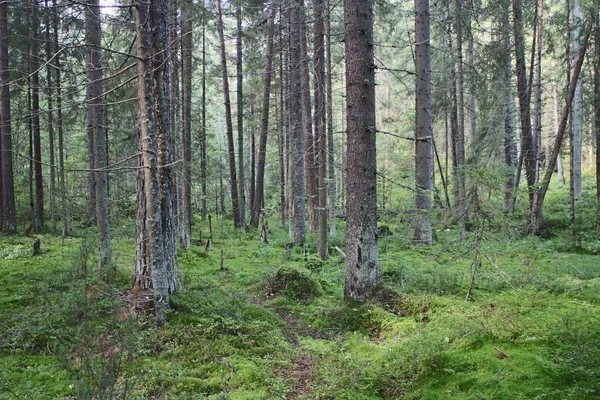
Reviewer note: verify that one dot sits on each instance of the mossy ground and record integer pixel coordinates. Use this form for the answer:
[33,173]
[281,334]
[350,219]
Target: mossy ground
[531,330]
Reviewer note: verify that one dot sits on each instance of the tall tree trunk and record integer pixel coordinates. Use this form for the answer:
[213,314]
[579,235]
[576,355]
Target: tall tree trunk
[7,201]
[363,274]
[59,122]
[459,138]
[296,123]
[424,131]
[559,163]
[51,134]
[597,107]
[240,117]
[264,121]
[235,199]
[186,91]
[537,131]
[536,212]
[283,131]
[527,145]
[156,258]
[307,126]
[330,144]
[38,220]
[203,152]
[508,110]
[320,127]
[577,111]
[97,128]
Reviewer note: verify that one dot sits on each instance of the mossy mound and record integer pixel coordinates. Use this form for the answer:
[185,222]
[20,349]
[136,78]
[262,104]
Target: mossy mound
[294,284]
[396,303]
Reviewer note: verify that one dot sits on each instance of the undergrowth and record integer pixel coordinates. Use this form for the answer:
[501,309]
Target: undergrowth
[273,322]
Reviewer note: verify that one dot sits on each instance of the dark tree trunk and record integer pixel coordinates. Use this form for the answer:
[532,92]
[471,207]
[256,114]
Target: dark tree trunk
[235,199]
[536,220]
[156,258]
[240,118]
[330,145]
[186,89]
[320,127]
[527,149]
[459,138]
[7,198]
[59,123]
[307,126]
[363,274]
[424,131]
[597,107]
[97,129]
[203,152]
[296,135]
[38,215]
[264,122]
[50,114]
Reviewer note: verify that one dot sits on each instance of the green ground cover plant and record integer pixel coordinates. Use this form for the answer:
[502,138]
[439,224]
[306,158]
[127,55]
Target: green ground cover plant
[273,324]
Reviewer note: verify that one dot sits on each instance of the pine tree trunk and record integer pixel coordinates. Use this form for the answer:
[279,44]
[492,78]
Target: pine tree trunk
[597,107]
[203,152]
[320,127]
[330,144]
[38,219]
[363,274]
[297,148]
[97,129]
[240,119]
[156,259]
[577,111]
[50,114]
[7,201]
[264,121]
[186,91]
[527,145]
[423,125]
[235,199]
[59,122]
[459,138]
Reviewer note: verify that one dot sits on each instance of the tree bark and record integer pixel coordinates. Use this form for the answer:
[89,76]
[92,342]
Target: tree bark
[264,121]
[50,114]
[597,107]
[235,199]
[577,111]
[7,201]
[363,274]
[459,137]
[330,144]
[296,124]
[186,91]
[240,118]
[38,215]
[423,126]
[320,127]
[97,129]
[536,220]
[203,152]
[156,258]
[527,149]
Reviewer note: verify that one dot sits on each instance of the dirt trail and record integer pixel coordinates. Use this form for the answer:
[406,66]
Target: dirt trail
[303,369]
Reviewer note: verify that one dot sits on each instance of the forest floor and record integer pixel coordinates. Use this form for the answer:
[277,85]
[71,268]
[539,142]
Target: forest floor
[273,324]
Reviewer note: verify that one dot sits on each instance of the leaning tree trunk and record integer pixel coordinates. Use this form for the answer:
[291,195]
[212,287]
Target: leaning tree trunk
[9,214]
[363,274]
[264,121]
[156,258]
[235,199]
[424,131]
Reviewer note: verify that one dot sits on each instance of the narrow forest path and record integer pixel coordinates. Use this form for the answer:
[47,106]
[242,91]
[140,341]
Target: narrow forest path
[303,371]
